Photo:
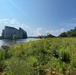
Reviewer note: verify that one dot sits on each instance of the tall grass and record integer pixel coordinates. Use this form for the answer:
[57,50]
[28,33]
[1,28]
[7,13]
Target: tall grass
[52,56]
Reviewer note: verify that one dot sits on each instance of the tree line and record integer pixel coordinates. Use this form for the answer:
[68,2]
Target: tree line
[70,33]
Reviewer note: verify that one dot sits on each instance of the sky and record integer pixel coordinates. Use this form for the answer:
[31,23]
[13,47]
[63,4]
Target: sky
[38,17]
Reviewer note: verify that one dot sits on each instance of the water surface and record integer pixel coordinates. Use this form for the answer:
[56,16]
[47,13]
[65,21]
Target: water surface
[11,42]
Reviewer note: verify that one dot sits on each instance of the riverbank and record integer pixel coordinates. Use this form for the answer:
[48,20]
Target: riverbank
[11,42]
[50,56]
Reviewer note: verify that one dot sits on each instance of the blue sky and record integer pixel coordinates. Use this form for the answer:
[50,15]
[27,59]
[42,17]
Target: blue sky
[38,17]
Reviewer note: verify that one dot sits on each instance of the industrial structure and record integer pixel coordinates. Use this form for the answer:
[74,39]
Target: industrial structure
[9,32]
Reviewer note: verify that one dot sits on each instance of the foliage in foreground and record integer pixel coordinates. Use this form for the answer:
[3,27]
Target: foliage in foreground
[55,56]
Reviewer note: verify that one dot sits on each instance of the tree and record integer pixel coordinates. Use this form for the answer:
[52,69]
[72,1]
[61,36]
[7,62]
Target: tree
[49,35]
[70,33]
[64,34]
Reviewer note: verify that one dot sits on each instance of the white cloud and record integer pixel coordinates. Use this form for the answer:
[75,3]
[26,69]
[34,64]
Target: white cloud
[38,31]
[16,24]
[9,22]
[32,32]
[55,32]
[27,28]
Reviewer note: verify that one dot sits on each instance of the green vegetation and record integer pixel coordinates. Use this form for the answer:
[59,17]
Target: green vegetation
[50,56]
[49,35]
[70,33]
[14,38]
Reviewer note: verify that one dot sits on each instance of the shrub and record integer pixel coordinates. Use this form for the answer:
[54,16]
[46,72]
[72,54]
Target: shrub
[2,57]
[64,55]
[54,50]
[5,47]
[73,60]
[17,67]
[2,54]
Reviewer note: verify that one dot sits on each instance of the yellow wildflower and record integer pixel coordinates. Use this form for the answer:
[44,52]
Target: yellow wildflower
[53,72]
[17,47]
[29,46]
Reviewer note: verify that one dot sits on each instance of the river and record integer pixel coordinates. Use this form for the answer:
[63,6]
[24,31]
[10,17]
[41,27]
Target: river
[10,42]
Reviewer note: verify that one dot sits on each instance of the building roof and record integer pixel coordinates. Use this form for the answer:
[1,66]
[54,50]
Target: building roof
[10,27]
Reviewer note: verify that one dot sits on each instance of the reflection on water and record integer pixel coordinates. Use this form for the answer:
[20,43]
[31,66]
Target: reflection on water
[11,42]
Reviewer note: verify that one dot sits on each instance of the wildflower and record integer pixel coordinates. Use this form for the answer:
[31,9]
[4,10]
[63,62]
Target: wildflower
[29,46]
[53,72]
[17,47]
[55,69]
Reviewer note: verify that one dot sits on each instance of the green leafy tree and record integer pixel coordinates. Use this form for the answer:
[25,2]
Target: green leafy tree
[49,35]
[64,34]
[70,33]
